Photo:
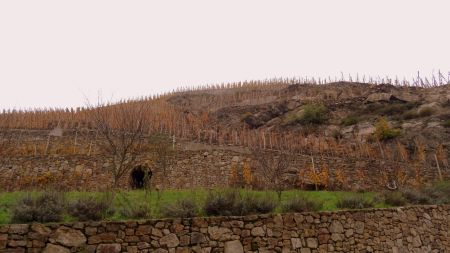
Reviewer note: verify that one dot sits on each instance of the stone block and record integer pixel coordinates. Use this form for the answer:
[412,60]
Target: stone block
[233,247]
[52,248]
[109,248]
[69,237]
[170,240]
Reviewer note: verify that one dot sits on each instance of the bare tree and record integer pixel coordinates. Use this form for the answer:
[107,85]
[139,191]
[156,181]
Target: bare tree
[274,168]
[122,135]
[164,153]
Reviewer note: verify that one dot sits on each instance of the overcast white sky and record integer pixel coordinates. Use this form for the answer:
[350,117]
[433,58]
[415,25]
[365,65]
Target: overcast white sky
[53,53]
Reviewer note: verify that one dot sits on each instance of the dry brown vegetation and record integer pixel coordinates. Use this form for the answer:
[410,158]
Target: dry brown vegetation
[202,115]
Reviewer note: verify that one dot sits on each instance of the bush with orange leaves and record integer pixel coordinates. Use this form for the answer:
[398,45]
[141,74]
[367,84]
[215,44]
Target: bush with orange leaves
[340,179]
[233,177]
[247,174]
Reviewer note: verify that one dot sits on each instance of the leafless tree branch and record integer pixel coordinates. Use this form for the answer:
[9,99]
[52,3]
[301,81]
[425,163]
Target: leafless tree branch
[124,131]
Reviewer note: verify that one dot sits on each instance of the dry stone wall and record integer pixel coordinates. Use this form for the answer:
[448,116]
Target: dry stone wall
[407,229]
[200,169]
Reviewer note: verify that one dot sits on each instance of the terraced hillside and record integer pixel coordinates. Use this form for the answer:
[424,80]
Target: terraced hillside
[401,130]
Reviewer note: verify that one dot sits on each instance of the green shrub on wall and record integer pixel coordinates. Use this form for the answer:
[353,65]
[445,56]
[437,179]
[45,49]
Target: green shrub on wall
[302,204]
[349,120]
[384,132]
[181,208]
[91,208]
[314,114]
[46,207]
[354,202]
[446,123]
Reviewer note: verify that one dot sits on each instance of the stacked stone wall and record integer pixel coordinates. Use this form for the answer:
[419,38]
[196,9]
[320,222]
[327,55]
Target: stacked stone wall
[202,169]
[408,229]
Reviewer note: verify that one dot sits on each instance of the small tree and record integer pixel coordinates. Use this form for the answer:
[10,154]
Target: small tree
[383,131]
[247,174]
[274,168]
[123,135]
[314,114]
[164,153]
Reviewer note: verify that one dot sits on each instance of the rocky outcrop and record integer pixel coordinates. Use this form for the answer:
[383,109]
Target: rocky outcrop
[379,97]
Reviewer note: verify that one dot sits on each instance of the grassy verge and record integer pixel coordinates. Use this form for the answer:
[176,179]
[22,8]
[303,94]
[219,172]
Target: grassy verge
[201,202]
[156,200]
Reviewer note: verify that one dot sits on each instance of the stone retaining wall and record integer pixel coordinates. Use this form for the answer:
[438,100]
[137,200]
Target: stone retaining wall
[204,169]
[408,229]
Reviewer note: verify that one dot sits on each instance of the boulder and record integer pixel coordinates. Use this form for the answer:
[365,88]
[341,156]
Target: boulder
[18,229]
[52,248]
[336,227]
[69,237]
[379,97]
[347,130]
[234,247]
[109,248]
[217,233]
[365,128]
[434,106]
[40,229]
[197,238]
[312,243]
[160,251]
[405,96]
[3,241]
[170,240]
[296,243]
[258,231]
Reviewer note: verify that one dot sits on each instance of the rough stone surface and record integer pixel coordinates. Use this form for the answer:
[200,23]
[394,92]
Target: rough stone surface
[378,97]
[234,247]
[109,248]
[171,240]
[405,229]
[51,248]
[193,170]
[69,237]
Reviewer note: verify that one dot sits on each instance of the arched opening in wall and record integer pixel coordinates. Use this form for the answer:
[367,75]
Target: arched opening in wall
[139,175]
[312,187]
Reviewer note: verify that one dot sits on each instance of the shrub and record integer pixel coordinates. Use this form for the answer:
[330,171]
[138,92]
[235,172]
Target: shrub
[383,131]
[427,111]
[435,194]
[394,198]
[132,209]
[223,203]
[139,211]
[393,109]
[354,202]
[233,203]
[415,197]
[292,118]
[446,123]
[439,193]
[411,114]
[183,208]
[258,205]
[349,120]
[91,208]
[302,204]
[246,116]
[46,207]
[397,108]
[314,114]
